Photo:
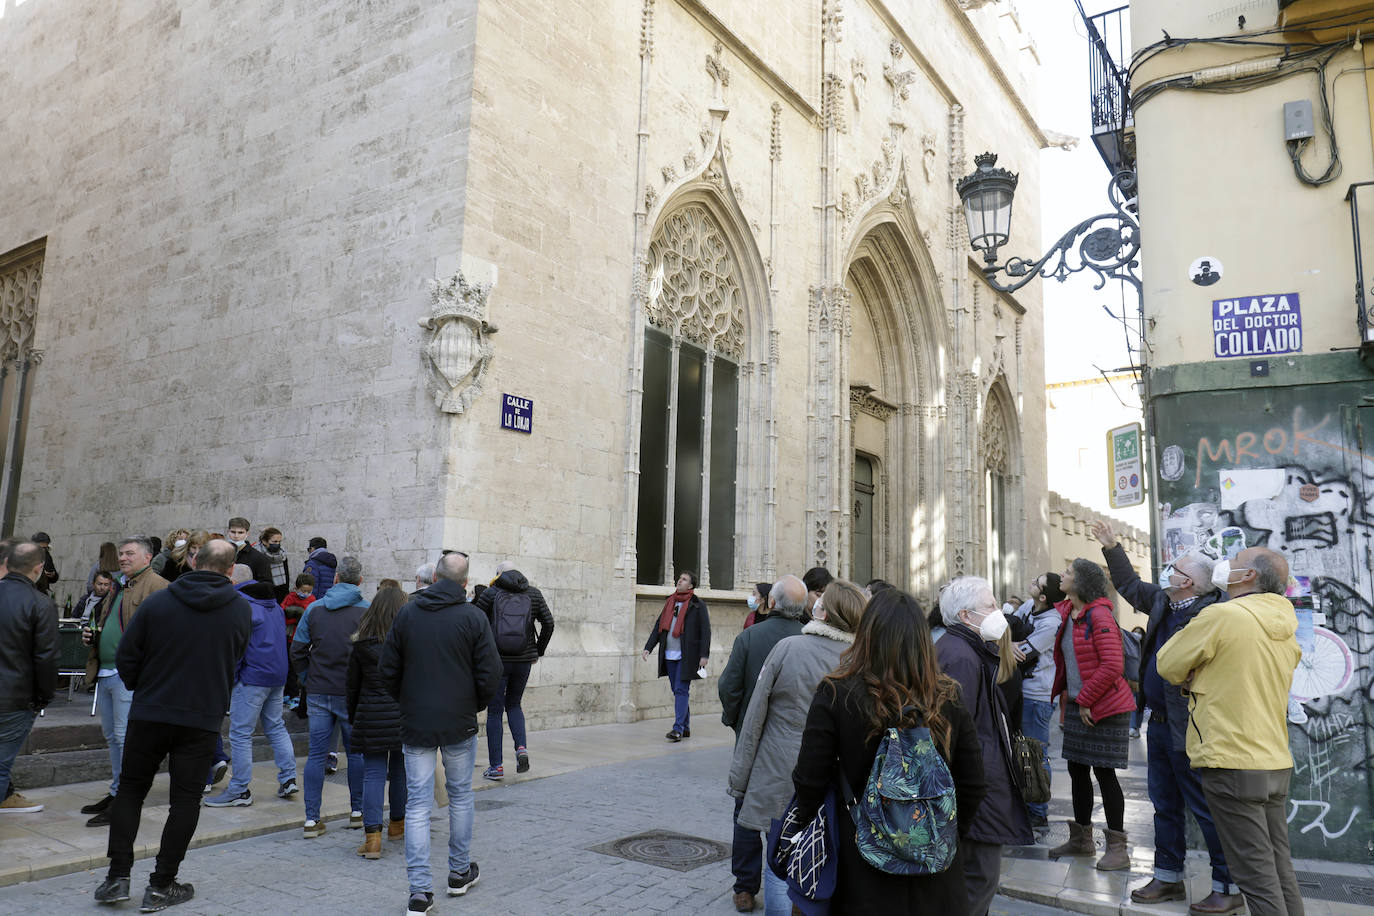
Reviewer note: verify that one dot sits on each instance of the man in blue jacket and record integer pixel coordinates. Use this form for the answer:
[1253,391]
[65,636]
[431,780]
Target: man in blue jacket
[321,648]
[1174,785]
[258,696]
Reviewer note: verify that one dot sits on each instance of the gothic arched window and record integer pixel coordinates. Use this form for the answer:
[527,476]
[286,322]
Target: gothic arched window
[688,446]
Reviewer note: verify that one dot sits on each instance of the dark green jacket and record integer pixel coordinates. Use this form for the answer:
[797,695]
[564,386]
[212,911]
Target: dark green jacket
[736,684]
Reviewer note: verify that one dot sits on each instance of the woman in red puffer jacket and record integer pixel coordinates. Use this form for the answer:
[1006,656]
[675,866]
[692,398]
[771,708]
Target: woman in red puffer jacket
[1096,707]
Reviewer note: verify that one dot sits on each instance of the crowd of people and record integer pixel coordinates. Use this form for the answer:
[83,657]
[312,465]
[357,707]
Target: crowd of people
[205,625]
[824,669]
[823,676]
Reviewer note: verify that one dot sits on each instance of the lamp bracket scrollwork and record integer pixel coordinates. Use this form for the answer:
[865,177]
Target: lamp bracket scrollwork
[1108,245]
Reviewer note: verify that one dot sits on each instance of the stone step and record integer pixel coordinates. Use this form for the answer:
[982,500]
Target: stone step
[61,754]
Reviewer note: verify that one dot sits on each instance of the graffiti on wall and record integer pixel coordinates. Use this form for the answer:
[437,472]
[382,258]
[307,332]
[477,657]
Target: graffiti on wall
[1301,486]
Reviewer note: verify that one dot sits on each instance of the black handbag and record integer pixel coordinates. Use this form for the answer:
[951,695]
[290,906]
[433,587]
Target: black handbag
[1029,767]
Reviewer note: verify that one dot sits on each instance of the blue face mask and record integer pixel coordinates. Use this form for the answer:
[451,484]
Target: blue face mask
[1164,576]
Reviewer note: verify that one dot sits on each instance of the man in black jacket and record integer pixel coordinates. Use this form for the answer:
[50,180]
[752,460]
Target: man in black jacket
[49,574]
[441,664]
[250,556]
[1174,785]
[513,607]
[178,656]
[28,662]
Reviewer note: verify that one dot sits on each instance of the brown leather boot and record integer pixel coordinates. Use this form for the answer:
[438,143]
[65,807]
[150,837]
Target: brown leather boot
[1116,857]
[1215,904]
[1080,842]
[396,830]
[372,845]
[1160,891]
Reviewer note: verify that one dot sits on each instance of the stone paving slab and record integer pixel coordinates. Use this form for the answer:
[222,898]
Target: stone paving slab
[56,841]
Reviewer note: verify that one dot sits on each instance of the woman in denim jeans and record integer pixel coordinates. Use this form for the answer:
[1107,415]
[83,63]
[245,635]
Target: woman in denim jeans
[376,720]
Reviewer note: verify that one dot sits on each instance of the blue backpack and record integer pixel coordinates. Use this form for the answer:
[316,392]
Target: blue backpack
[906,818]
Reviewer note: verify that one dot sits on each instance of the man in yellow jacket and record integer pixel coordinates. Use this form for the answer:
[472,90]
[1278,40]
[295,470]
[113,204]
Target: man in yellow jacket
[1237,658]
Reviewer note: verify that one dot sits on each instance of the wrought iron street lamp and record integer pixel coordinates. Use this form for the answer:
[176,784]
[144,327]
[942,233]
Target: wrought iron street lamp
[1107,244]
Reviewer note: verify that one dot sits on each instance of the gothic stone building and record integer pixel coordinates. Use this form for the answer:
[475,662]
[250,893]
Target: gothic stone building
[297,261]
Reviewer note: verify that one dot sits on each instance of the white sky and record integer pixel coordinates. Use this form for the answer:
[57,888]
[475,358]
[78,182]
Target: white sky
[1078,333]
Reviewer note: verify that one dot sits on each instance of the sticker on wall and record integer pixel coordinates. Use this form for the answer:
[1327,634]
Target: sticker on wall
[1206,271]
[1171,463]
[1263,325]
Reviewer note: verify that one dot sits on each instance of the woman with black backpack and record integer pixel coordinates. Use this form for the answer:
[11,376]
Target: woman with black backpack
[888,678]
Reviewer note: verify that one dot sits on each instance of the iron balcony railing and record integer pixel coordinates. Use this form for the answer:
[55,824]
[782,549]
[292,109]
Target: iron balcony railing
[1109,55]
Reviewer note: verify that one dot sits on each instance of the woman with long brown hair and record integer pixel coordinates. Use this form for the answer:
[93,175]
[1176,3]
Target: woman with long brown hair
[376,719]
[888,678]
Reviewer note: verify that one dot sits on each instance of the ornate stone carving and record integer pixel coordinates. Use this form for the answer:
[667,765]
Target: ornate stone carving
[863,400]
[669,174]
[832,109]
[650,197]
[775,134]
[720,76]
[19,286]
[689,160]
[646,29]
[701,298]
[822,544]
[858,82]
[996,446]
[832,20]
[458,351]
[928,155]
[898,81]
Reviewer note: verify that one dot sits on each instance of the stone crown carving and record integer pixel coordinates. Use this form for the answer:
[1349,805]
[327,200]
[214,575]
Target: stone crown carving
[458,350]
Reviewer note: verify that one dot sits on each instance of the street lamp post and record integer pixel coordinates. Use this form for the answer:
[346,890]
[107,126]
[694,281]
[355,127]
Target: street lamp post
[1107,244]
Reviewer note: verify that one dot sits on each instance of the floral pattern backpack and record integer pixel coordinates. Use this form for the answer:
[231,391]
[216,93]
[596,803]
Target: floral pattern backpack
[906,817]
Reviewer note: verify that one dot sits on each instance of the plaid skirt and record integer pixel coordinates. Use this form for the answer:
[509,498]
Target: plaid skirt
[1106,744]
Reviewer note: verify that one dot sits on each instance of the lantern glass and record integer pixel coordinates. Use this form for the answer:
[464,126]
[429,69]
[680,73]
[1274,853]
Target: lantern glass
[988,212]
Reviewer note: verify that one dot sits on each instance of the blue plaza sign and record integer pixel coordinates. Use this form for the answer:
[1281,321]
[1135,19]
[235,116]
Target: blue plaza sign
[517,413]
[1257,325]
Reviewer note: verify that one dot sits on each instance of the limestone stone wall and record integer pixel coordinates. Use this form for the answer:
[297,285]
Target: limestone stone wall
[244,207]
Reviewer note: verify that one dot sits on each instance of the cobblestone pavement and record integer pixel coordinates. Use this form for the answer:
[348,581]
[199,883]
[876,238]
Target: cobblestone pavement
[531,841]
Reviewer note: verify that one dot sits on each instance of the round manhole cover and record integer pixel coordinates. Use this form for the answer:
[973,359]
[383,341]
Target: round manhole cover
[665,849]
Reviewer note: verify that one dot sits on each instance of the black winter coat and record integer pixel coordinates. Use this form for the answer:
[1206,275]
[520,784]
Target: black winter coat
[374,713]
[257,561]
[837,725]
[440,663]
[965,657]
[696,639]
[28,645]
[1149,598]
[514,582]
[182,649]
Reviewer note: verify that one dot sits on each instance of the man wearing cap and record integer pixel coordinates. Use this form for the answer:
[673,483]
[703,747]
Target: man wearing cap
[49,574]
[1184,590]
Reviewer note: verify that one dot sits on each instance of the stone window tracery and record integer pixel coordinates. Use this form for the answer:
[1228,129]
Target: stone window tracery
[690,403]
[697,281]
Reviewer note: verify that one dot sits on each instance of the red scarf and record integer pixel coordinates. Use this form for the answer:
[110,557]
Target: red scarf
[666,618]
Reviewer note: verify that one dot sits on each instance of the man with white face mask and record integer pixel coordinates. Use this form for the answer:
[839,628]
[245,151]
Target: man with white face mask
[250,556]
[968,653]
[1184,589]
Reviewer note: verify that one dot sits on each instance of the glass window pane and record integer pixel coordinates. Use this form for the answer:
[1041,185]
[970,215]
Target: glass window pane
[653,459]
[724,437]
[687,491]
